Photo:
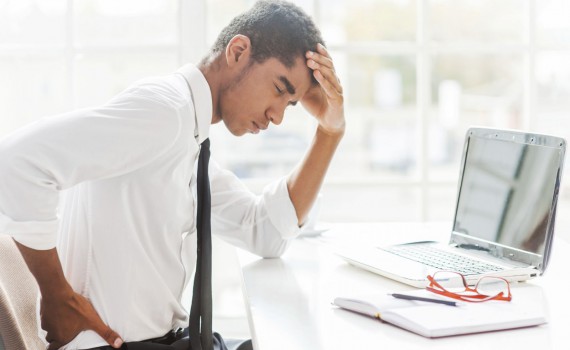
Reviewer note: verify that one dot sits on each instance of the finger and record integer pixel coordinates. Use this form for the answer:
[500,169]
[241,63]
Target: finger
[323,50]
[320,59]
[54,345]
[326,85]
[109,335]
[328,74]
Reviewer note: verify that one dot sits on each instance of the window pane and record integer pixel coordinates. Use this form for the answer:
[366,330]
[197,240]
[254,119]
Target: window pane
[32,87]
[358,203]
[130,22]
[553,95]
[364,20]
[220,13]
[441,202]
[553,92]
[553,26]
[482,90]
[32,22]
[98,77]
[477,21]
[380,109]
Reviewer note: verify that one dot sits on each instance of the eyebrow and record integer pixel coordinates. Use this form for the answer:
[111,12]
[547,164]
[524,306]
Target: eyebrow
[290,88]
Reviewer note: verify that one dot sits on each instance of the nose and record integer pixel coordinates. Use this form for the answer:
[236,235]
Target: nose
[275,115]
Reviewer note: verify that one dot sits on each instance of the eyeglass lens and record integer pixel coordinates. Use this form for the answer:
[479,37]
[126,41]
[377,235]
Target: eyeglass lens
[492,286]
[450,281]
[455,283]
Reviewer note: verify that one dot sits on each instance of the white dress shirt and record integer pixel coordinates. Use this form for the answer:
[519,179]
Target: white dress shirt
[126,214]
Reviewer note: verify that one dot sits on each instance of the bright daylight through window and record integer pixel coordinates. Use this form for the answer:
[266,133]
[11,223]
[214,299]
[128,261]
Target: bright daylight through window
[416,74]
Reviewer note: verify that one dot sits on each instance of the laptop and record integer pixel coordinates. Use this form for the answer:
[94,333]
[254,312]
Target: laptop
[504,214]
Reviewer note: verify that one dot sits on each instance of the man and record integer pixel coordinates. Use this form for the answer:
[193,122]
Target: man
[124,251]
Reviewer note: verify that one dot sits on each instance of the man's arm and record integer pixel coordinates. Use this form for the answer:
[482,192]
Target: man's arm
[64,313]
[60,152]
[325,102]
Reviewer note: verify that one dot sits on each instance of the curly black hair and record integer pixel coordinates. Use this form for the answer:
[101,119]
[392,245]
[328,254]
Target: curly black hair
[276,29]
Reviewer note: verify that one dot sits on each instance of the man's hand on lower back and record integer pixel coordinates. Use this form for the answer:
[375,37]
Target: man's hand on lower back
[63,317]
[64,313]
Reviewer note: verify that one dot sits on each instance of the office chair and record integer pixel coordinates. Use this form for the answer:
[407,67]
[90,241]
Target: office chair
[18,296]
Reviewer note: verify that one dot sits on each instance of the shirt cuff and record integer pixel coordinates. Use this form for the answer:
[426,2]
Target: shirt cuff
[39,235]
[280,209]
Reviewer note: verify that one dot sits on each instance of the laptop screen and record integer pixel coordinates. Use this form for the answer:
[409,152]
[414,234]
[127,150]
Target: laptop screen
[508,189]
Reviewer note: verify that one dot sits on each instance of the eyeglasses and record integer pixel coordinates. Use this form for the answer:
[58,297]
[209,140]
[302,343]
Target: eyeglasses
[454,285]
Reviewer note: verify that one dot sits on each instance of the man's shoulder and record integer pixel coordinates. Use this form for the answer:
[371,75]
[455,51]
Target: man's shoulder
[170,89]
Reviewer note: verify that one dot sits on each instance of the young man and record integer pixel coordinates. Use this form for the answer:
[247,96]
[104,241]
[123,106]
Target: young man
[124,253]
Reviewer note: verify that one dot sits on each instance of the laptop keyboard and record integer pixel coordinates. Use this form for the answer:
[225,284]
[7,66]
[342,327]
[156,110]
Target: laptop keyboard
[440,259]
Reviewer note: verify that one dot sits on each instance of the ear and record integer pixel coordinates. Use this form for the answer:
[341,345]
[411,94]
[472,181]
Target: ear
[238,51]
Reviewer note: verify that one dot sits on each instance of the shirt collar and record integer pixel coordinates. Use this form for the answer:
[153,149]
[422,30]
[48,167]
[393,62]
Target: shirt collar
[202,96]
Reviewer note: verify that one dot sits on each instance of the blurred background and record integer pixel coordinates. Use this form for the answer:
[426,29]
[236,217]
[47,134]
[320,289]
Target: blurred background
[416,75]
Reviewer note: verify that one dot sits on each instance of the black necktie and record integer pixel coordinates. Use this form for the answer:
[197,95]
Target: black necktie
[201,309]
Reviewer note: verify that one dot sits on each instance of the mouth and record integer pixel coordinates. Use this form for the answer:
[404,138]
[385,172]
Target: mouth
[257,127]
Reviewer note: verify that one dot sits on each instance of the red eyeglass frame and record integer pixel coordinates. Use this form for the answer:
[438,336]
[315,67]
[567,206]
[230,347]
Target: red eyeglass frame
[477,297]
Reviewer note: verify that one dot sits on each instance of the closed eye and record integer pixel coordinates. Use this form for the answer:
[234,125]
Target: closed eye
[279,91]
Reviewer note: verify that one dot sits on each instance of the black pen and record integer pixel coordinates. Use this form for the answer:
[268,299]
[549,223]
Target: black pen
[429,300]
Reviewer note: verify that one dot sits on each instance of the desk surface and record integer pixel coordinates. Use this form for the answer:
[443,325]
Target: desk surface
[288,300]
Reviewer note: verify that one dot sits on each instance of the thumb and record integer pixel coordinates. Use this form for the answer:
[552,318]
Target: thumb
[54,346]
[109,335]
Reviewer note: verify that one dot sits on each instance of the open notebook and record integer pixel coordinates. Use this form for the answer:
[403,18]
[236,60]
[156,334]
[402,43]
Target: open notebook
[504,217]
[528,308]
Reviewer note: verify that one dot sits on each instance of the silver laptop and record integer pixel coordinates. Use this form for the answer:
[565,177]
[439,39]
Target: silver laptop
[504,216]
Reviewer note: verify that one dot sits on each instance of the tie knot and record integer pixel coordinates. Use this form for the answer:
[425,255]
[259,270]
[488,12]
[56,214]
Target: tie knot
[205,144]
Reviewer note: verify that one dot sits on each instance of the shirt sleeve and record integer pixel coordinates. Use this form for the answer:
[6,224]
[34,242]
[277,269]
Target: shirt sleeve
[263,224]
[55,153]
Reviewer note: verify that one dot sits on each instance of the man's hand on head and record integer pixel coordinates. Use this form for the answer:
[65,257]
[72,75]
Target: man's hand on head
[65,316]
[325,101]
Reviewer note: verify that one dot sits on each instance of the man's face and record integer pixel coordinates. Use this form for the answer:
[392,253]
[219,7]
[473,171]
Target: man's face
[260,93]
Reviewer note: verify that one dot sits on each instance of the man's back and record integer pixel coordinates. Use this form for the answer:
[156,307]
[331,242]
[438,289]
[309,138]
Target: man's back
[126,168]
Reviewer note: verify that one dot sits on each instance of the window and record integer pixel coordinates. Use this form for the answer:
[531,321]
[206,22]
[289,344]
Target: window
[57,55]
[416,74]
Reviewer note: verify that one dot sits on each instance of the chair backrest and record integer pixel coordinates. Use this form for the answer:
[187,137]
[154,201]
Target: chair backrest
[18,298]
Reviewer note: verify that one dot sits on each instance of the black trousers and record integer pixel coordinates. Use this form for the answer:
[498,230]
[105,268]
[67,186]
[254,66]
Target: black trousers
[181,341]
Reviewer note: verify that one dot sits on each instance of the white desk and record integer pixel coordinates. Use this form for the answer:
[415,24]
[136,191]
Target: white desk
[288,300]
